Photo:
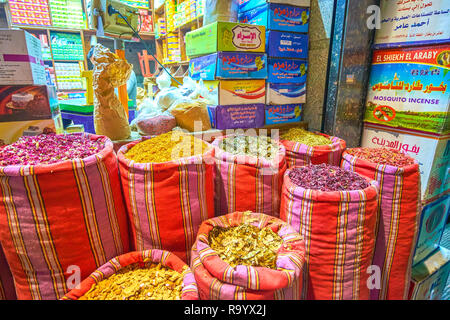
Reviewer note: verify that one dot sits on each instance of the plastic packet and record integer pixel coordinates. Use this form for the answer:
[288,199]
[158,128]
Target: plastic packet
[152,120]
[221,10]
[191,115]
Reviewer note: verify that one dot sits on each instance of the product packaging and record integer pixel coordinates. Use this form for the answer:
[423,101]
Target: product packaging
[287,71]
[287,113]
[236,92]
[280,44]
[245,5]
[285,93]
[236,116]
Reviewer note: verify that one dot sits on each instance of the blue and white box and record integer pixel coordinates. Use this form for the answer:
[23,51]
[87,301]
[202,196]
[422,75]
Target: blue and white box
[278,17]
[281,44]
[287,70]
[285,93]
[288,113]
[245,5]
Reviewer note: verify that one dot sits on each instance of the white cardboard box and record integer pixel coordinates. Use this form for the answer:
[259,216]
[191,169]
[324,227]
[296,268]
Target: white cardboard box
[20,59]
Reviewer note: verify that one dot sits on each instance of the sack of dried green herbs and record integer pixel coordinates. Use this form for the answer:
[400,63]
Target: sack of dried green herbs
[398,176]
[335,211]
[248,256]
[249,173]
[304,147]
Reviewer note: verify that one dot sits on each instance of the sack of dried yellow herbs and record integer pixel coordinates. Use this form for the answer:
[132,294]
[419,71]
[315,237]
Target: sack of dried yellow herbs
[139,275]
[304,147]
[248,256]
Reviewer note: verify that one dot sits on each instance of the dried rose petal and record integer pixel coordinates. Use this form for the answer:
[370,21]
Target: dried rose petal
[49,148]
[325,177]
[387,156]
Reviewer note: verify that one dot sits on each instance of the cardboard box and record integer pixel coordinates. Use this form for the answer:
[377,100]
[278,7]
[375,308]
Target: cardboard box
[287,113]
[285,93]
[432,151]
[245,5]
[229,65]
[287,71]
[279,17]
[237,92]
[21,59]
[225,36]
[12,131]
[429,278]
[432,226]
[236,116]
[408,89]
[281,44]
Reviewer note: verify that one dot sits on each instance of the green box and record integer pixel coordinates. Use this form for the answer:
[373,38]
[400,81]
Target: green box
[225,36]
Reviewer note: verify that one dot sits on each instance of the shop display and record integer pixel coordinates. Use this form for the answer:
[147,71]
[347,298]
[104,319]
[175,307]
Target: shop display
[225,36]
[68,75]
[339,232]
[279,17]
[22,61]
[167,201]
[280,114]
[258,178]
[7,291]
[30,12]
[245,5]
[399,205]
[42,202]
[236,116]
[281,44]
[66,46]
[110,118]
[219,280]
[146,275]
[67,14]
[304,147]
[287,71]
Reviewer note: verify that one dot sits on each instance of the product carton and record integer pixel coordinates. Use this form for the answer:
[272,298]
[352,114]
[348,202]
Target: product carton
[278,17]
[432,151]
[245,5]
[236,92]
[408,88]
[236,116]
[229,65]
[429,278]
[286,93]
[21,59]
[432,226]
[225,36]
[287,71]
[287,113]
[281,44]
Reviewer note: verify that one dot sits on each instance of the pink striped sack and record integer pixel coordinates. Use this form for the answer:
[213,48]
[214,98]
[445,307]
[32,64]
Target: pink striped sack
[339,232]
[399,210]
[217,280]
[143,259]
[167,201]
[298,154]
[7,290]
[57,218]
[245,183]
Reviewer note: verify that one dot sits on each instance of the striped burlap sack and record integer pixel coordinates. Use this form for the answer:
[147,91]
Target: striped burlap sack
[339,232]
[298,154]
[59,218]
[167,201]
[7,290]
[246,183]
[142,258]
[399,210]
[217,280]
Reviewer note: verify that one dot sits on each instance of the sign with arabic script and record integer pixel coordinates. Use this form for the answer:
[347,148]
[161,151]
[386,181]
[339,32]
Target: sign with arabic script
[409,88]
[411,22]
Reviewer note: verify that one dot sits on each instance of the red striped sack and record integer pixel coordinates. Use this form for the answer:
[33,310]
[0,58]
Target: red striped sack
[339,232]
[56,216]
[143,258]
[298,154]
[7,290]
[247,183]
[399,207]
[167,201]
[217,280]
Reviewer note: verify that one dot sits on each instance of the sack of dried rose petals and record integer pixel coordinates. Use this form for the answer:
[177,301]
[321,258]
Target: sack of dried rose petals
[270,258]
[7,290]
[304,147]
[139,275]
[398,176]
[61,205]
[249,173]
[336,213]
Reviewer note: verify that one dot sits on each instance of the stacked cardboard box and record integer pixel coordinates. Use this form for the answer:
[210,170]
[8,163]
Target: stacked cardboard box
[287,50]
[27,105]
[230,59]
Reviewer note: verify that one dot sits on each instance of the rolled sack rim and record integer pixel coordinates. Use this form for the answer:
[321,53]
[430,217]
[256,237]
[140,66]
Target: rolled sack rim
[228,157]
[336,145]
[205,158]
[349,196]
[385,168]
[36,169]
